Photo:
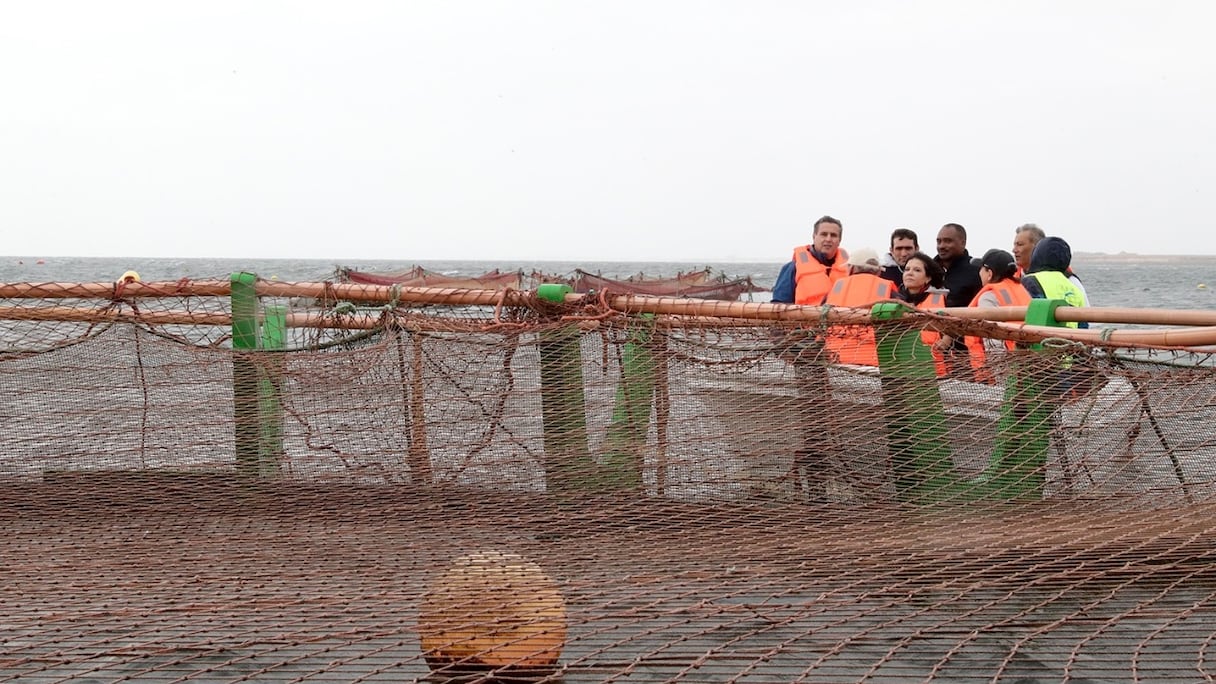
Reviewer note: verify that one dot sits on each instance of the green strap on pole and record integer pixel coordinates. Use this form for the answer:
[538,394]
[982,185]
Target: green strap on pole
[626,442]
[553,292]
[918,439]
[1043,312]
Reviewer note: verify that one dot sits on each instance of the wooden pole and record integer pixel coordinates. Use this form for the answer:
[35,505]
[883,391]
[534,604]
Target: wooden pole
[627,431]
[569,467]
[419,455]
[662,410]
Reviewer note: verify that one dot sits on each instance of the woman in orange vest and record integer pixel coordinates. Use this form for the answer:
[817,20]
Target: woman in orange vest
[922,288]
[1001,287]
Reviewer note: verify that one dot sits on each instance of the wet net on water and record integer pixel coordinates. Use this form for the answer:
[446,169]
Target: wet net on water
[519,489]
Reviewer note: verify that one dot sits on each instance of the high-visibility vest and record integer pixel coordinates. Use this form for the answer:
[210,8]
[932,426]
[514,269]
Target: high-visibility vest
[855,343]
[1056,285]
[1008,293]
[812,280]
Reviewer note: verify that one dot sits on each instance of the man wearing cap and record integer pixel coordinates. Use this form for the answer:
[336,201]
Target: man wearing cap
[999,273]
[815,268]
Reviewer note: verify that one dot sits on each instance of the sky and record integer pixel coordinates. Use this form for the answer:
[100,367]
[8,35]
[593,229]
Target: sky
[685,130]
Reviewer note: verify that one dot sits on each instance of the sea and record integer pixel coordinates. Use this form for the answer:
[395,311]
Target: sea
[1127,280]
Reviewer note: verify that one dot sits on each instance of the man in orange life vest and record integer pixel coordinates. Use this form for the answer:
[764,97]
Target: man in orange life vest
[815,268]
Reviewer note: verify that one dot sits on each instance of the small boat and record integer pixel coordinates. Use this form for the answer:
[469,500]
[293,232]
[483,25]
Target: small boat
[697,284]
[421,277]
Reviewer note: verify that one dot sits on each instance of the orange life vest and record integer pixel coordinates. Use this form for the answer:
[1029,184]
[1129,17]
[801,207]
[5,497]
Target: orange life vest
[935,300]
[812,280]
[855,343]
[1008,293]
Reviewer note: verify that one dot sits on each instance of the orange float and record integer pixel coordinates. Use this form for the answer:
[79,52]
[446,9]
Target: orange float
[493,611]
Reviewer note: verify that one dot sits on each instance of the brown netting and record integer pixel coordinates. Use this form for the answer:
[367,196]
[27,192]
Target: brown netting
[473,485]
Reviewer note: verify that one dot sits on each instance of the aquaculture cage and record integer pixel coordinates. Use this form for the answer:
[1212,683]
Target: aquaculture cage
[249,480]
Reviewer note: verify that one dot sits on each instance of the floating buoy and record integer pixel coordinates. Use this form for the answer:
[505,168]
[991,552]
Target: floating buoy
[40,262]
[1201,286]
[129,277]
[493,611]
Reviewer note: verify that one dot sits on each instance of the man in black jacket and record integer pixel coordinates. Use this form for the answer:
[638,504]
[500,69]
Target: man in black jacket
[962,276]
[963,282]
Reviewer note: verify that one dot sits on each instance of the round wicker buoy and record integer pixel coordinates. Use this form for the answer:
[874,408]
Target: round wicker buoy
[493,611]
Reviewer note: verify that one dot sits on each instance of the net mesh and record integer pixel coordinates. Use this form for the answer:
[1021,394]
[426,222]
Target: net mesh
[520,489]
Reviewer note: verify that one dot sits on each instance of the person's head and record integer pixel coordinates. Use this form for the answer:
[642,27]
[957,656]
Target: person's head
[903,244]
[1050,254]
[864,258]
[951,242]
[826,238]
[997,265]
[1024,239]
[922,272]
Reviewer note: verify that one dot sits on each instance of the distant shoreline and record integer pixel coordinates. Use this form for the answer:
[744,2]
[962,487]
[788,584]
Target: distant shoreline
[1127,257]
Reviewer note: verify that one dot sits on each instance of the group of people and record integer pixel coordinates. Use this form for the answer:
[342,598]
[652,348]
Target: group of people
[1039,266]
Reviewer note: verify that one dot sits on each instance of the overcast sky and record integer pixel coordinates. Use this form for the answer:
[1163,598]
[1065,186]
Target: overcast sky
[672,131]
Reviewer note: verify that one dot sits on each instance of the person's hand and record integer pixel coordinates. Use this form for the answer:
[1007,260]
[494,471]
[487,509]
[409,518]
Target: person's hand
[943,343]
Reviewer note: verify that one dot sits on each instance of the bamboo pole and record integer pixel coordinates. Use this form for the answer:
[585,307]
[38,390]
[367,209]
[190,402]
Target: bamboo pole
[419,456]
[358,292]
[1171,337]
[183,288]
[689,312]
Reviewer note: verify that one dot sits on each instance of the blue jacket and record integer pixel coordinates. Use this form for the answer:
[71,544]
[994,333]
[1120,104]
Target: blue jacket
[783,288]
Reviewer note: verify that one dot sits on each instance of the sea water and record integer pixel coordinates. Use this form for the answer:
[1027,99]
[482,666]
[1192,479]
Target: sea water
[1187,282]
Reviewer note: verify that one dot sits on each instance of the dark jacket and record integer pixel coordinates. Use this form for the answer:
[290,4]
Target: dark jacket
[915,299]
[1050,254]
[962,279]
[893,273]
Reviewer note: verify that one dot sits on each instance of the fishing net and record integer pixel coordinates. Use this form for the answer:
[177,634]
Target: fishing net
[395,484]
